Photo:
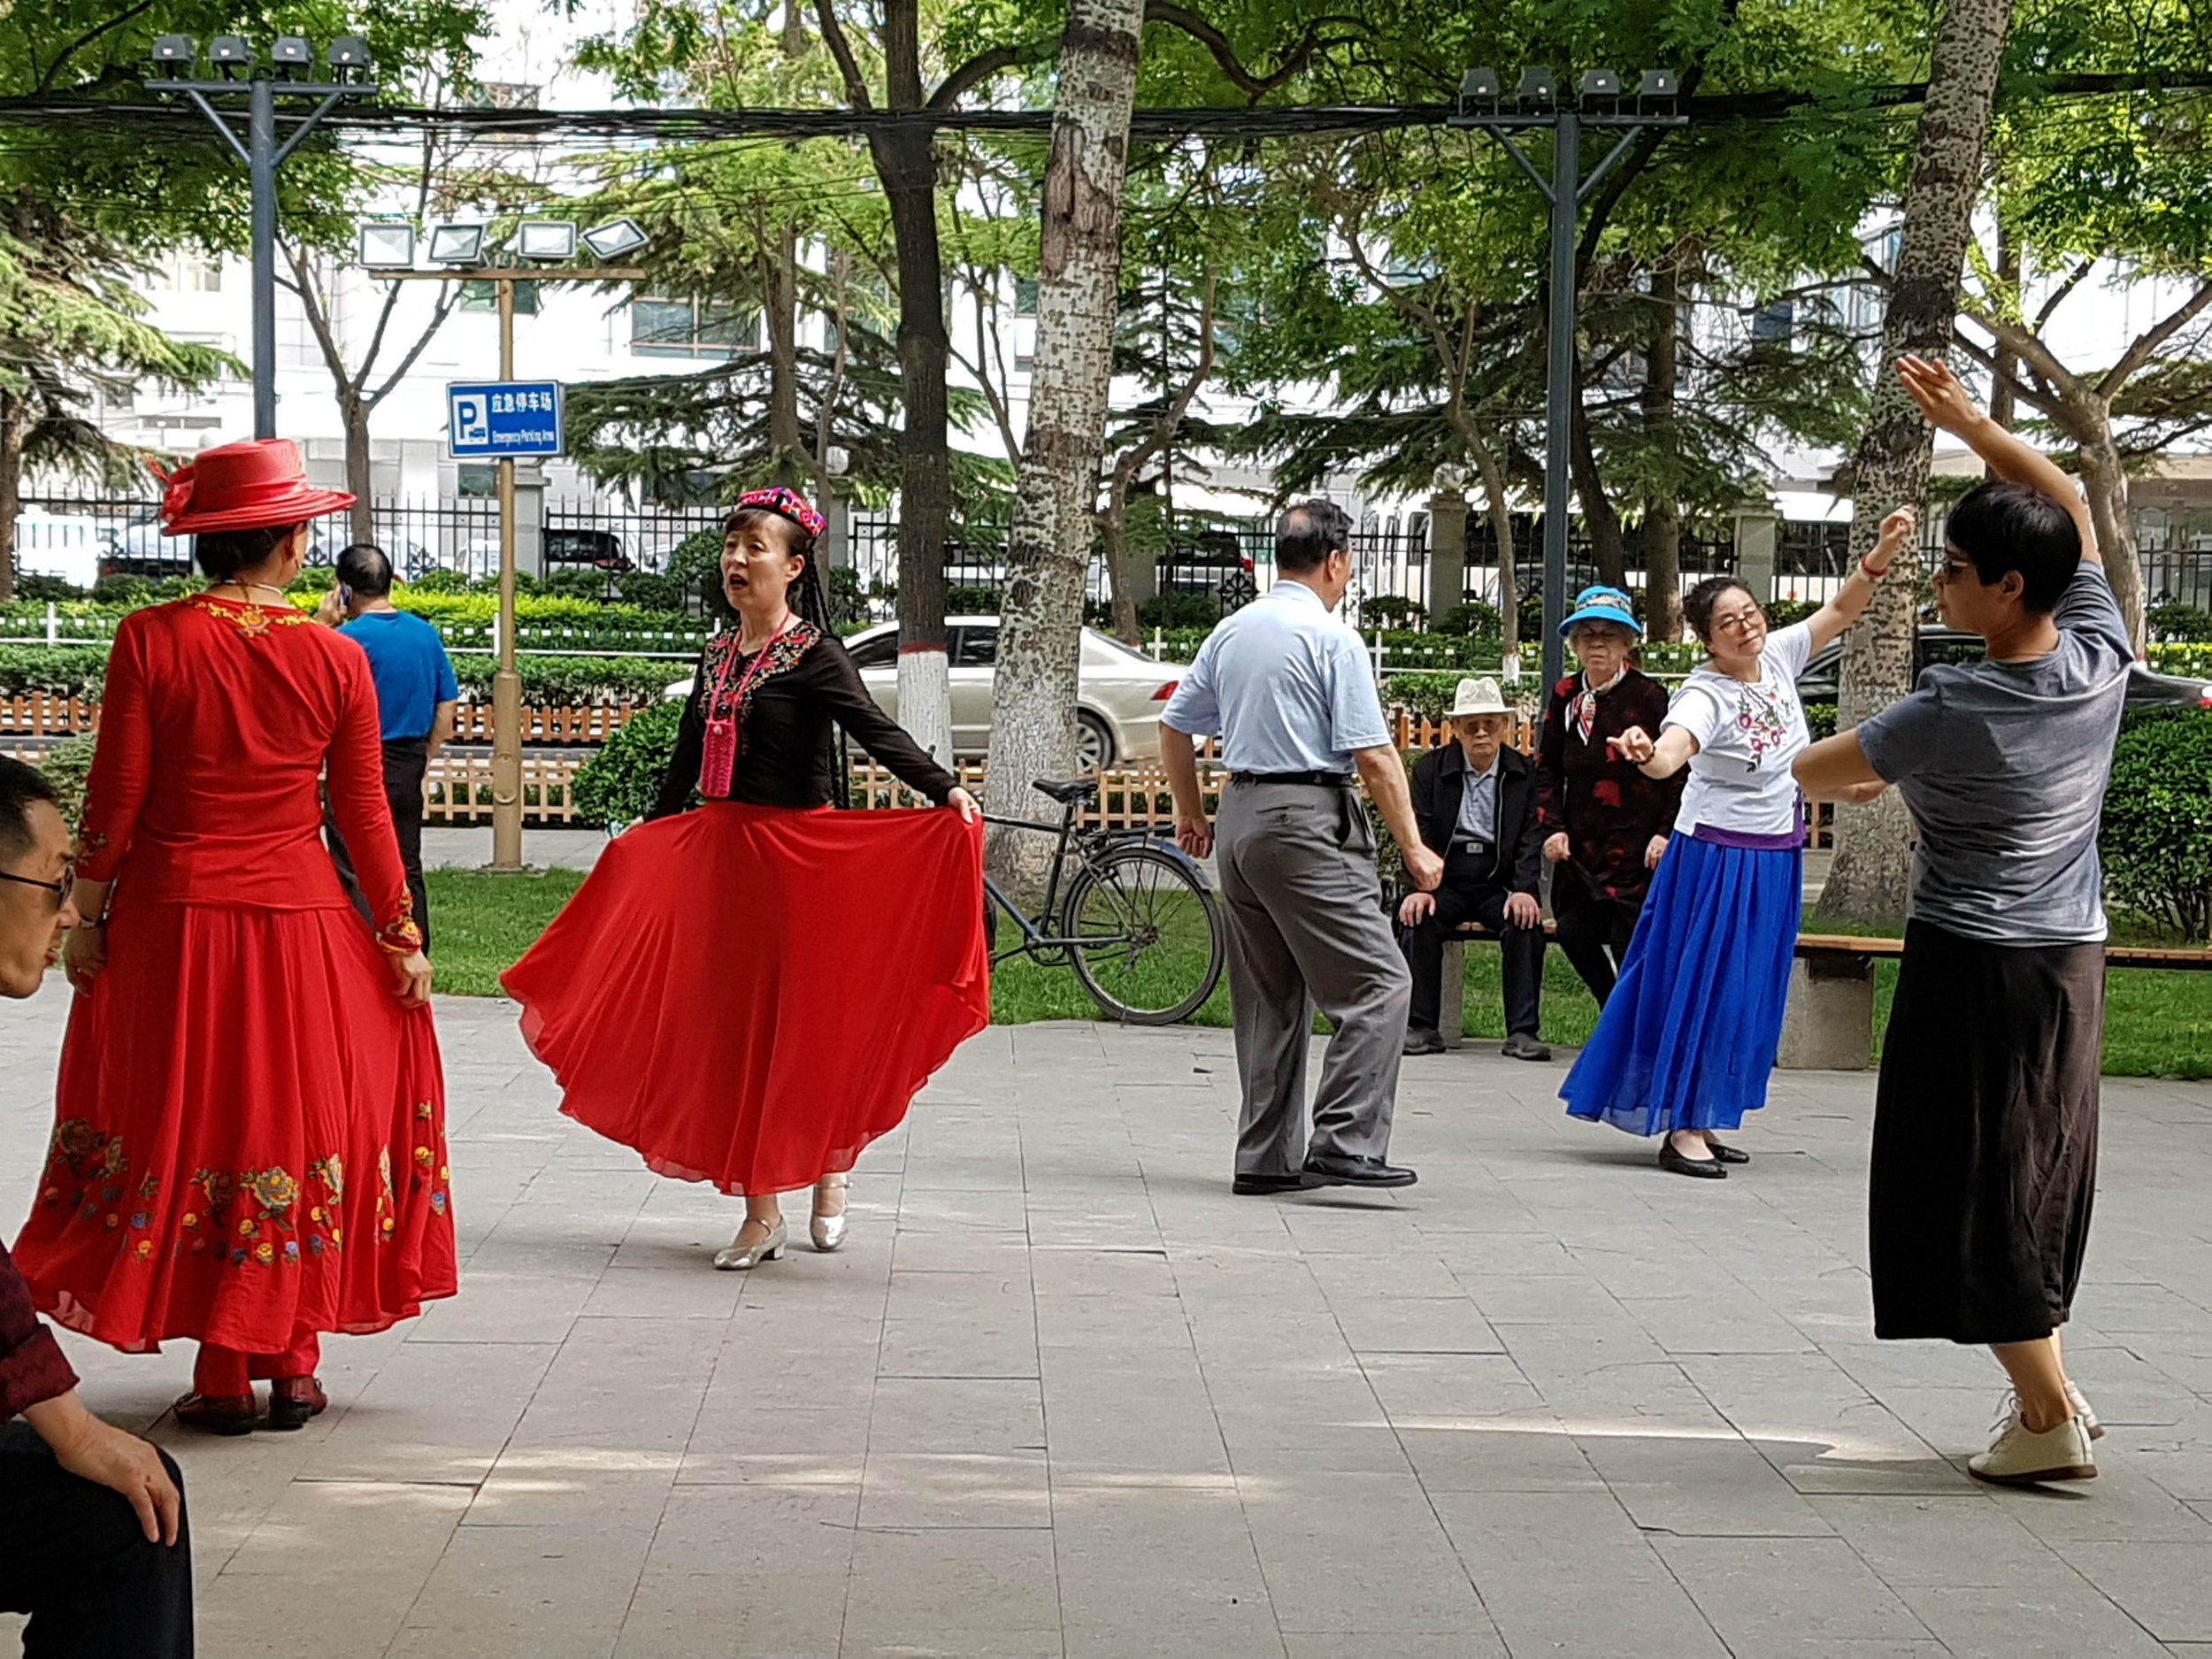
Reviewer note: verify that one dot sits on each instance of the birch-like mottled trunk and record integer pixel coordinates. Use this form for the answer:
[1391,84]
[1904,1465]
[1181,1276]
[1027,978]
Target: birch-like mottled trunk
[1872,874]
[1033,686]
[2105,481]
[14,413]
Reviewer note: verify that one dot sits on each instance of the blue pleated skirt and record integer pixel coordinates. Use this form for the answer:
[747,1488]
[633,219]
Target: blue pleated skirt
[1688,1037]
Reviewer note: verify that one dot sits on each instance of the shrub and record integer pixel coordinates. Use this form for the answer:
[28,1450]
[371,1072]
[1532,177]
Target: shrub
[648,592]
[67,765]
[1475,616]
[848,597]
[2178,622]
[620,783]
[439,582]
[34,589]
[315,579]
[1393,610]
[1424,695]
[1783,613]
[127,590]
[571,681]
[972,600]
[1179,611]
[1820,719]
[60,670]
[2156,836]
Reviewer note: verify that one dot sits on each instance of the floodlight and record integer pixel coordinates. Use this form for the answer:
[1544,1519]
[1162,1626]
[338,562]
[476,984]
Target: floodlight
[456,244]
[347,51]
[615,238]
[1600,83]
[291,52]
[547,239]
[387,245]
[1479,84]
[177,53]
[1536,87]
[1657,92]
[230,52]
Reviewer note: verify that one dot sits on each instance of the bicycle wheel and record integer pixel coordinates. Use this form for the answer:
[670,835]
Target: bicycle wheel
[1149,945]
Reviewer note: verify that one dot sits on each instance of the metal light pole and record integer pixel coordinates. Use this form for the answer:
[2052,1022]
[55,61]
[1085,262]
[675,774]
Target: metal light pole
[506,680]
[1536,103]
[175,58]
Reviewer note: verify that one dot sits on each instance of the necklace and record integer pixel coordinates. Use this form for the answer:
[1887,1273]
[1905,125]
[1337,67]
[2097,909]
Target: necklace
[266,587]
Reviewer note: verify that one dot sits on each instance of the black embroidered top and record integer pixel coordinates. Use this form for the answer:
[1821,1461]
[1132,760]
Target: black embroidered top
[1607,807]
[787,757]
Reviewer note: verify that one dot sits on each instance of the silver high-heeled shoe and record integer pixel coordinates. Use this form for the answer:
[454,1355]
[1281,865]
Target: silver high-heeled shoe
[829,1231]
[735,1259]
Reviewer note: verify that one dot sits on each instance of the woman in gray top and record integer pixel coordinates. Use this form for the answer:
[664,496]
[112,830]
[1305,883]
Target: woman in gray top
[1986,1119]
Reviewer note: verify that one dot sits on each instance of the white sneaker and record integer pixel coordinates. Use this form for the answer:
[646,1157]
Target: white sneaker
[2087,1417]
[2020,1457]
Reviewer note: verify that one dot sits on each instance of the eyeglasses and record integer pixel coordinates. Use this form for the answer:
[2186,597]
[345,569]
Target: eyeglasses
[59,889]
[1740,621]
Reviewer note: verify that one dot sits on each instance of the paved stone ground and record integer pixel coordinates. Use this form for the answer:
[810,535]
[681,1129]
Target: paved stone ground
[1063,1395]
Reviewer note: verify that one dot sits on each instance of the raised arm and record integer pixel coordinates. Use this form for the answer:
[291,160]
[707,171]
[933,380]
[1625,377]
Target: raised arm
[1858,587]
[1943,400]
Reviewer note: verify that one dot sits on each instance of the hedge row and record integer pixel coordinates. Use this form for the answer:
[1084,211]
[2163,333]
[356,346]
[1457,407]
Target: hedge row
[79,671]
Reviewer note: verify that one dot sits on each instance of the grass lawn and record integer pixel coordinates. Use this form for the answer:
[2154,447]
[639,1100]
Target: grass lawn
[2156,1023]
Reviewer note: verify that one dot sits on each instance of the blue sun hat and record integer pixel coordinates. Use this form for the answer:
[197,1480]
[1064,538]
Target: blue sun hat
[1603,604]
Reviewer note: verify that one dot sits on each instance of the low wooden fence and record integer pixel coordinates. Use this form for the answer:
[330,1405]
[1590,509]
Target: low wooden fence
[593,723]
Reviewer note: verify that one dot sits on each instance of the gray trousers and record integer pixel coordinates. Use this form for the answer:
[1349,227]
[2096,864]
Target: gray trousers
[1306,929]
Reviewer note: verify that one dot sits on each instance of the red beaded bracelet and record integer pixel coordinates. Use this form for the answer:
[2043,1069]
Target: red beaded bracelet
[1870,572]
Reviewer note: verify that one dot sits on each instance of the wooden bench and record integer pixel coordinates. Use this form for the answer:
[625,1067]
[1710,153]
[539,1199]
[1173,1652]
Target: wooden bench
[1829,1025]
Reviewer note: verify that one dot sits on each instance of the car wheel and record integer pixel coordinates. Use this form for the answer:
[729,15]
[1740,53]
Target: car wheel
[1094,742]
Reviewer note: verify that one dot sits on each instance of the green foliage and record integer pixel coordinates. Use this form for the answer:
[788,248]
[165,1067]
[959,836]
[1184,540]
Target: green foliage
[620,783]
[127,591]
[1820,719]
[47,590]
[1473,616]
[1181,612]
[437,582]
[1783,613]
[571,681]
[60,671]
[2157,837]
[1393,610]
[67,766]
[2179,623]
[650,592]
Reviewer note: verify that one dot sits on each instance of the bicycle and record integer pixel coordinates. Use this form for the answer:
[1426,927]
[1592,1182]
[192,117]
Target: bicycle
[1134,920]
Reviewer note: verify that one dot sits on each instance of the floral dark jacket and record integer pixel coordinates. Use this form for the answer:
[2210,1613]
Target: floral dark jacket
[1607,808]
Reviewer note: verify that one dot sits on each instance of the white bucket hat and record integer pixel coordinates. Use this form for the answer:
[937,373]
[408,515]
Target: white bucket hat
[1478,696]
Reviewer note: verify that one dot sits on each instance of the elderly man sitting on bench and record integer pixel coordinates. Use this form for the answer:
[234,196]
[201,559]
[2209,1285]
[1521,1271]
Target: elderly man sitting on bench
[1475,800]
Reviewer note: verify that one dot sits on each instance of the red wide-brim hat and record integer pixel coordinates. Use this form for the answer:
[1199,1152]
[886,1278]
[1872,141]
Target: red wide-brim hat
[246,486]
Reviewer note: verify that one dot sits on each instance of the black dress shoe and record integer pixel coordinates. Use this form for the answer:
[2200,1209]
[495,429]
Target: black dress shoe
[1254,1186]
[1704,1169]
[1323,1170]
[1726,1155]
[1420,1041]
[1525,1045]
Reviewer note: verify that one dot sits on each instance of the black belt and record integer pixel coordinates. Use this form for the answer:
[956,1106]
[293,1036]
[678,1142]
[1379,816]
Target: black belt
[1318,779]
[1472,848]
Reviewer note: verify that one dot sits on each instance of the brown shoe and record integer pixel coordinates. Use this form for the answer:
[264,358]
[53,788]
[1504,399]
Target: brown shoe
[293,1400]
[218,1414]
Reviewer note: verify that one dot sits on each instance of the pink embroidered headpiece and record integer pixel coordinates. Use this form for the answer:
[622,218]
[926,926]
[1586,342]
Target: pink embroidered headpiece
[787,503]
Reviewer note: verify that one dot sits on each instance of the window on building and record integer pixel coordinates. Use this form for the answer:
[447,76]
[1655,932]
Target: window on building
[690,328]
[481,294]
[1024,296]
[201,274]
[1777,322]
[479,480]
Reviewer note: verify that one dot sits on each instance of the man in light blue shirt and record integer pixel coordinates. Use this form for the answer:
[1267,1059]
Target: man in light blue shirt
[1290,692]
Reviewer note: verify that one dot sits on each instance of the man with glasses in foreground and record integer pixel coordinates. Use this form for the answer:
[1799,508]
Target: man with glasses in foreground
[93,1540]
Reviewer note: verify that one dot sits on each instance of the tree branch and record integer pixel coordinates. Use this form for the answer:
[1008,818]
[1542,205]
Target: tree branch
[1163,426]
[2025,344]
[46,81]
[1224,54]
[2058,295]
[983,65]
[841,49]
[2145,345]
[449,296]
[318,319]
[1987,358]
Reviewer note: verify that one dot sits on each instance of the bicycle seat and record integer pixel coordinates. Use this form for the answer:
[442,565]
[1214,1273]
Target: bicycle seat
[1065,789]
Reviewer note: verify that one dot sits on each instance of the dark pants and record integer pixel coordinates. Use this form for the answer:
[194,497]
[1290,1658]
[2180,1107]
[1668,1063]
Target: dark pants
[406,760]
[1593,931]
[73,1557]
[1469,894]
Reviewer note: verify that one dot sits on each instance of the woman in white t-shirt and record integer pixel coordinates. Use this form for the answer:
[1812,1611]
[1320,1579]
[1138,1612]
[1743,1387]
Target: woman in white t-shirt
[1686,1042]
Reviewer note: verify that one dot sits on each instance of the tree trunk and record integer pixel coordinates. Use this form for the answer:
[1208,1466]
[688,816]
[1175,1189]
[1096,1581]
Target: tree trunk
[353,411]
[1034,682]
[1609,548]
[1121,565]
[1663,519]
[1872,874]
[2105,481]
[1499,510]
[13,412]
[907,164]
[780,291]
[2003,401]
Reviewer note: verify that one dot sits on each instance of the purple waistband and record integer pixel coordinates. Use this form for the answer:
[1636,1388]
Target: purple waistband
[1789,841]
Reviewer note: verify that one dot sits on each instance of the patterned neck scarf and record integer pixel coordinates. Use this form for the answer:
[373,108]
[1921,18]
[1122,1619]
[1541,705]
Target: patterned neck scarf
[1586,702]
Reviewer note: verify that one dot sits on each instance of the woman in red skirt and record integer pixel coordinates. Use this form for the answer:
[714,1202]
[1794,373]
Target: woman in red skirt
[750,992]
[250,1148]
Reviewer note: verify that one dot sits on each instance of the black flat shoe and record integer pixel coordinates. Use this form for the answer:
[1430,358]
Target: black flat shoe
[1726,1155]
[1525,1045]
[1325,1171]
[1257,1186]
[1424,1042]
[1675,1164]
[218,1414]
[294,1400]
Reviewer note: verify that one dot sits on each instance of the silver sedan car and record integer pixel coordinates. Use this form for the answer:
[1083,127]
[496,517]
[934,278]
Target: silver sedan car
[1120,692]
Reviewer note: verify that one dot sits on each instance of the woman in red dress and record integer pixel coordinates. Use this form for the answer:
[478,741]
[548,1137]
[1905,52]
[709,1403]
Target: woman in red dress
[749,993]
[250,1148]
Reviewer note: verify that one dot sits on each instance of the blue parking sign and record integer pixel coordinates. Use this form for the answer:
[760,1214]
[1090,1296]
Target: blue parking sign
[488,418]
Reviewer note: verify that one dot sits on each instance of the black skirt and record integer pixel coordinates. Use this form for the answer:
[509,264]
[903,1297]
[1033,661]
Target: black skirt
[1985,1156]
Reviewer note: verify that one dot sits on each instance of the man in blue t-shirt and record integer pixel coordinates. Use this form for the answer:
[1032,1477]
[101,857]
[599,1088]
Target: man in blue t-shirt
[416,695]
